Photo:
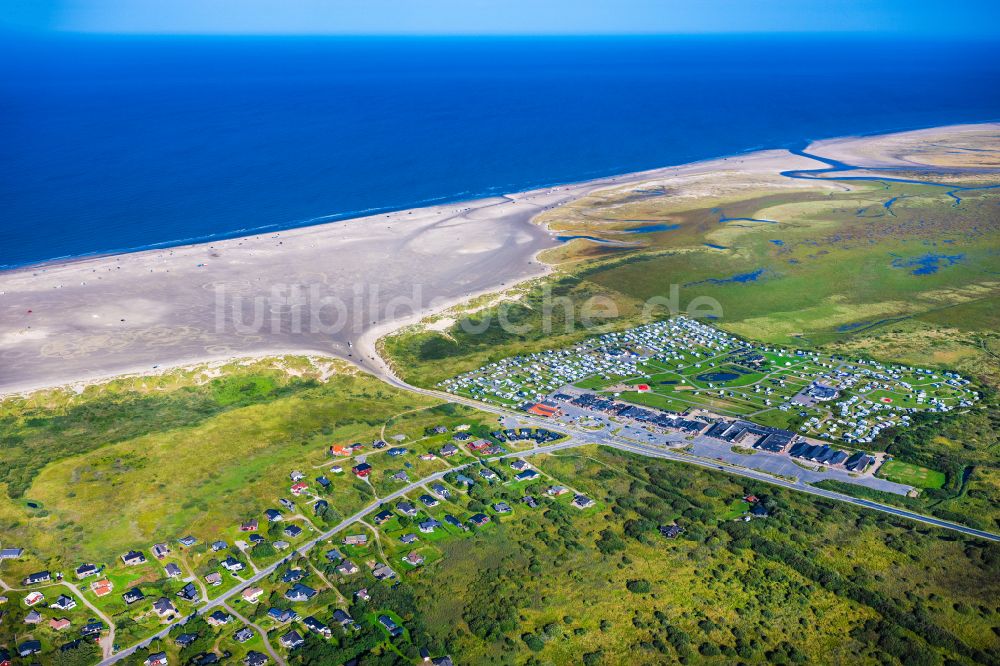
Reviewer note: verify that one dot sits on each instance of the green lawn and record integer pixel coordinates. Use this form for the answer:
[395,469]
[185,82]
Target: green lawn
[911,475]
[202,476]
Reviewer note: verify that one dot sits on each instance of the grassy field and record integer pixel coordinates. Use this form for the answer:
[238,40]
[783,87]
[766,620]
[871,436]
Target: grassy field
[912,475]
[125,464]
[542,585]
[202,475]
[842,270]
[603,586]
[836,273]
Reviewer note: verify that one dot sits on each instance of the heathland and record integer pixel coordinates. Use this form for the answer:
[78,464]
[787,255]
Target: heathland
[900,272]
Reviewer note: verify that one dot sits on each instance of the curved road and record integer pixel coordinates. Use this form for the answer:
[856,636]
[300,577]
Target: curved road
[222,599]
[608,439]
[578,437]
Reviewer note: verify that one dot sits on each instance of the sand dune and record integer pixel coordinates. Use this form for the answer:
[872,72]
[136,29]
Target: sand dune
[330,289]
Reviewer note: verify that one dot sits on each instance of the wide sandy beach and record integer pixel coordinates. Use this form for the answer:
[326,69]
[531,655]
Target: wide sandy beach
[330,289]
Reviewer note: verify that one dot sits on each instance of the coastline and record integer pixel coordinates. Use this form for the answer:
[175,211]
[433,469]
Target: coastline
[837,147]
[103,316]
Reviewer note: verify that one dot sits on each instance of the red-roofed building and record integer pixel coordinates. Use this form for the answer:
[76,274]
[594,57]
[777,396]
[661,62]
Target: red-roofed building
[479,444]
[59,624]
[102,587]
[543,409]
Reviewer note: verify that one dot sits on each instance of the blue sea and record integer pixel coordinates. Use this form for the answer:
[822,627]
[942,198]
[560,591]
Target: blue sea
[116,143]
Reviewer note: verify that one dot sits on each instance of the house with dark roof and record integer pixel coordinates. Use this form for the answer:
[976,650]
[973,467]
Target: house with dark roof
[255,658]
[479,519]
[244,634]
[455,522]
[837,458]
[92,628]
[315,626]
[189,592]
[133,595]
[383,572]
[86,570]
[671,531]
[299,593]
[281,615]
[219,618]
[133,557]
[291,640]
[390,626]
[37,577]
[293,575]
[232,564]
[28,648]
[429,525]
[859,462]
[164,607]
[156,659]
[347,568]
[63,602]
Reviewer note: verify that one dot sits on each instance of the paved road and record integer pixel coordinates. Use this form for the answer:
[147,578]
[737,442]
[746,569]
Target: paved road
[802,487]
[263,635]
[579,437]
[222,599]
[608,439]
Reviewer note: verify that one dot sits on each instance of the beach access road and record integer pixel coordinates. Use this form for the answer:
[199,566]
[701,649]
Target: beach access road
[223,599]
[330,289]
[607,438]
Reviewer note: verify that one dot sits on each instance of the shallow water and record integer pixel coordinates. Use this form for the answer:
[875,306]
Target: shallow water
[121,143]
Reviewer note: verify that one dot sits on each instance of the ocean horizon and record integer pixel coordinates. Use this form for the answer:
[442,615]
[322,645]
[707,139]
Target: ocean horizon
[116,144]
